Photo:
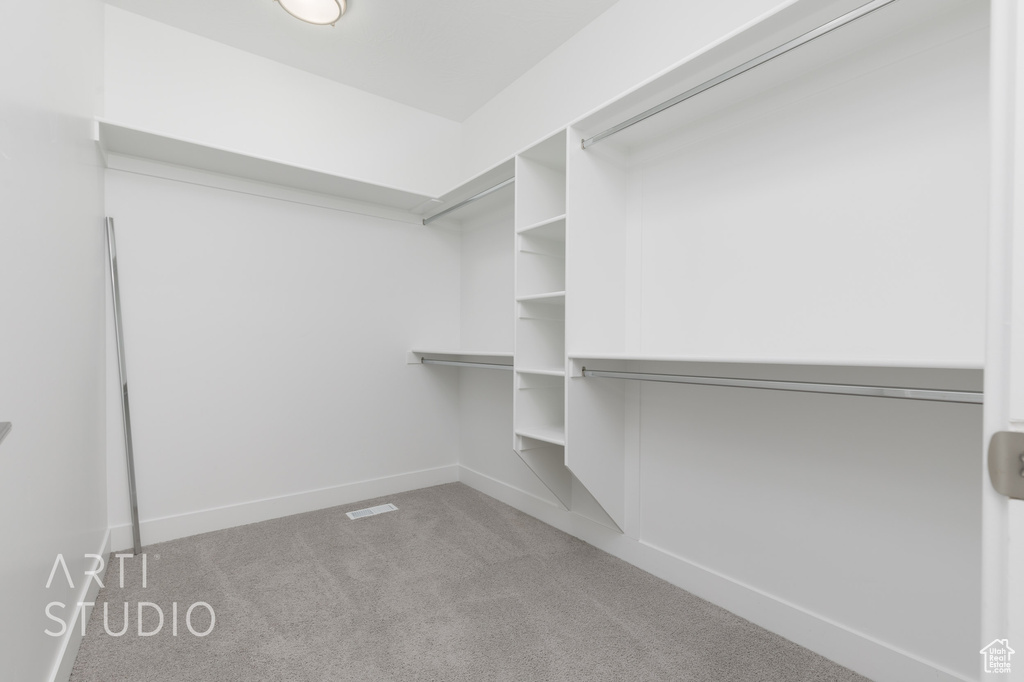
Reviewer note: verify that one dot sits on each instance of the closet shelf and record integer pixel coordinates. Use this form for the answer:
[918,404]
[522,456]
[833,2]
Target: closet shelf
[124,140]
[415,356]
[778,28]
[545,372]
[457,353]
[552,296]
[908,363]
[542,224]
[489,192]
[549,434]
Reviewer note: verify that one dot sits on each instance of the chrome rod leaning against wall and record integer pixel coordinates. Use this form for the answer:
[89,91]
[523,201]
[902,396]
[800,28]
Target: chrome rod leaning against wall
[936,395]
[764,58]
[123,375]
[466,202]
[461,363]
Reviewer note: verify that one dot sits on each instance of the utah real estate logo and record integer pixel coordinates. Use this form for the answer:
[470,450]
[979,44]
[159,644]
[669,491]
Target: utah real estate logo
[996,656]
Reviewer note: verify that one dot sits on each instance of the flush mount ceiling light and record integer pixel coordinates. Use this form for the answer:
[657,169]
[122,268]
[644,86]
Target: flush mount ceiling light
[320,12]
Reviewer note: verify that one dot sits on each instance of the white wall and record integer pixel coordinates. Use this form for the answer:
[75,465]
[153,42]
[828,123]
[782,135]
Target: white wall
[52,486]
[863,512]
[175,83]
[803,222]
[631,42]
[266,346]
[486,289]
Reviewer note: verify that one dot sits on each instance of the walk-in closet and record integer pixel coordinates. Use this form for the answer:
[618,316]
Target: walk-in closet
[689,350]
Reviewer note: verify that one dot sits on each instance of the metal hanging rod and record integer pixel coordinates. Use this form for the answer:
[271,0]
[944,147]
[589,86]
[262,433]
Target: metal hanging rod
[862,11]
[122,372]
[466,202]
[935,395]
[5,428]
[461,363]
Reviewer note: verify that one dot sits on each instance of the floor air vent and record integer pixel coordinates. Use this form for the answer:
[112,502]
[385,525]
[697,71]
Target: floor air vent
[371,511]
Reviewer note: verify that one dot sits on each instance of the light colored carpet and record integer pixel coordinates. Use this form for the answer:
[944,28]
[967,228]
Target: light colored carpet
[453,586]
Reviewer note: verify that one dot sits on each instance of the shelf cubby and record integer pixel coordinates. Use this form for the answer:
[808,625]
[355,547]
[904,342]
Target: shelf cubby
[540,183]
[540,407]
[540,333]
[541,397]
[545,459]
[540,263]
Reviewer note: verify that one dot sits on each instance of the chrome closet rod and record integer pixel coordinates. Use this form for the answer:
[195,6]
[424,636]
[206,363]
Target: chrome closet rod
[122,372]
[853,15]
[475,197]
[936,395]
[460,363]
[5,428]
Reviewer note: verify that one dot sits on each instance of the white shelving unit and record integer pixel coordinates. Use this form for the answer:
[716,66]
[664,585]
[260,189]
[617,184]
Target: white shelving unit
[759,222]
[539,404]
[821,218]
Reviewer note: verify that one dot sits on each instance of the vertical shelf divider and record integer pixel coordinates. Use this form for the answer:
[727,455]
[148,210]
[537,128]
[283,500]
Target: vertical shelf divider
[597,253]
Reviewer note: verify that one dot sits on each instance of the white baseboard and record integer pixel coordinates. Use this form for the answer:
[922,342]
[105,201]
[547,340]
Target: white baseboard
[855,650]
[219,518]
[72,638]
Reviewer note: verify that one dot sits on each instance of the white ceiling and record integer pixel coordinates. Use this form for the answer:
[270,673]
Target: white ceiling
[447,57]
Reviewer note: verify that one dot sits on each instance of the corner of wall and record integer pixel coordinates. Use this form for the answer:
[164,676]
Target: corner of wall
[631,42]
